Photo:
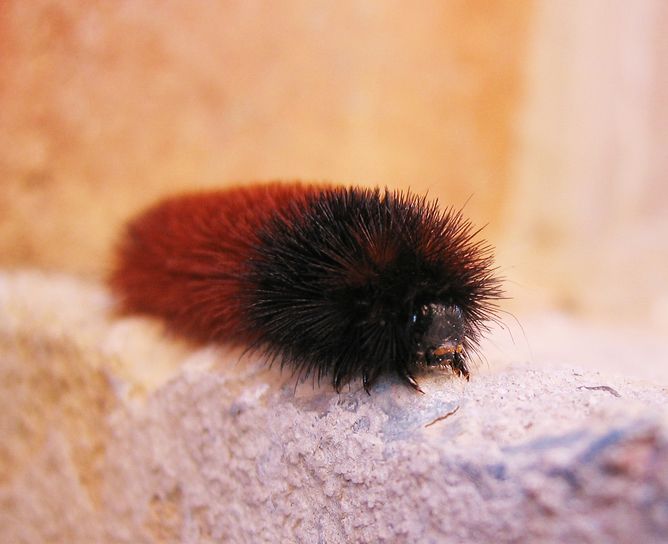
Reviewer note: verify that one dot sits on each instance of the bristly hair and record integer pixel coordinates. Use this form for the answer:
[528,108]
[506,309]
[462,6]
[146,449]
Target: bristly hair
[337,280]
[333,282]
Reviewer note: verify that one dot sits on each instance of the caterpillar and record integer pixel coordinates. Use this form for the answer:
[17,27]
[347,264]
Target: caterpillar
[337,282]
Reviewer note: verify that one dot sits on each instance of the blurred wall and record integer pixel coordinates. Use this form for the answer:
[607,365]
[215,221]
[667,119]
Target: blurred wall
[107,105]
[552,116]
[586,223]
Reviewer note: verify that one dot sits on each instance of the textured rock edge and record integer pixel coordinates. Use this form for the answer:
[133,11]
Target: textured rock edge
[116,433]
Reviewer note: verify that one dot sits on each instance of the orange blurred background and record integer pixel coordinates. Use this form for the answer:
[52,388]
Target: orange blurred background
[551,116]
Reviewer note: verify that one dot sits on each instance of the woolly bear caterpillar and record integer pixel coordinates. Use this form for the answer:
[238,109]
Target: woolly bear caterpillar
[334,281]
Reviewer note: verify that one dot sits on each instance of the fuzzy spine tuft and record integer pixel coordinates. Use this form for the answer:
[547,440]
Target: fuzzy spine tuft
[336,282]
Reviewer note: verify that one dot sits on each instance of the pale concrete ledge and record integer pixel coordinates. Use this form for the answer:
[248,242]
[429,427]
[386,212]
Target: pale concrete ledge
[113,433]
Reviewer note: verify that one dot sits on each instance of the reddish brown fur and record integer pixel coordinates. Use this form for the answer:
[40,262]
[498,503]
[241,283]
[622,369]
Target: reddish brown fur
[183,259]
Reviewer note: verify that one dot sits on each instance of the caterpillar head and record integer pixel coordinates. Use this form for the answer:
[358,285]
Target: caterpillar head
[439,332]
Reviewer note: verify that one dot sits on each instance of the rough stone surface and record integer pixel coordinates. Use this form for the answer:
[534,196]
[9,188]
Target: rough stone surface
[113,432]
